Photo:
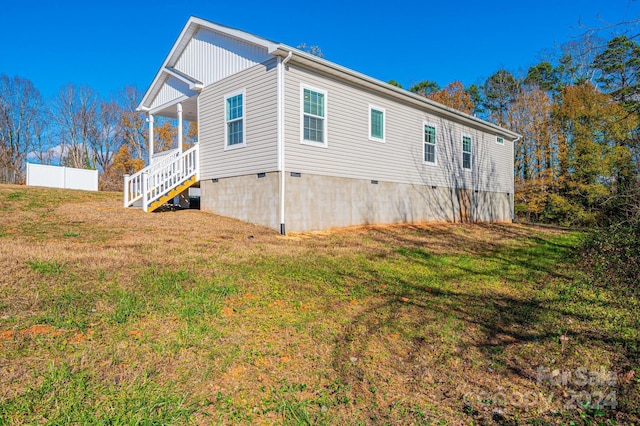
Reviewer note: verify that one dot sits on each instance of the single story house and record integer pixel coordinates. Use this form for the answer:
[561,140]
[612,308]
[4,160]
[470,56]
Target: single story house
[294,142]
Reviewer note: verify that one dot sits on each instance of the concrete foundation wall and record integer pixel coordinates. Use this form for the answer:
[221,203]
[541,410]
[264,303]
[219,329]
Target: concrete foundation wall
[248,198]
[315,202]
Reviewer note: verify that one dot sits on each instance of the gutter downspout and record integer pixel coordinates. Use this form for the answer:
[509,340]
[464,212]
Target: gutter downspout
[280,133]
[513,193]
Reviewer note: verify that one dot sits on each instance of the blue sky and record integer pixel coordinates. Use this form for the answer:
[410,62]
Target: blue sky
[107,45]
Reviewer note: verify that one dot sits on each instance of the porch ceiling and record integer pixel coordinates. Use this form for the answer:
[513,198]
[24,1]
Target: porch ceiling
[189,110]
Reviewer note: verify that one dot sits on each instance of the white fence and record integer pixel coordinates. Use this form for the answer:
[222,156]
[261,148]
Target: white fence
[61,177]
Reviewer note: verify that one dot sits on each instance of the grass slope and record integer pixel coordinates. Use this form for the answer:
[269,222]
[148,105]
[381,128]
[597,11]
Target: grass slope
[114,316]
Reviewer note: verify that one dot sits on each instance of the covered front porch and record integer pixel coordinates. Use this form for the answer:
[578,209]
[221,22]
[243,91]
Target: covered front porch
[180,117]
[172,172]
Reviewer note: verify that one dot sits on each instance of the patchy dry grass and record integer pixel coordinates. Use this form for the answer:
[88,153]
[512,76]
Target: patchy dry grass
[114,316]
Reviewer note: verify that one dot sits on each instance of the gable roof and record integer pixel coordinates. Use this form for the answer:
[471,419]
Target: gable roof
[324,66]
[168,68]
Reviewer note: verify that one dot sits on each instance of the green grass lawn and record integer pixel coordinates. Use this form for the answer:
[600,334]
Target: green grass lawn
[113,316]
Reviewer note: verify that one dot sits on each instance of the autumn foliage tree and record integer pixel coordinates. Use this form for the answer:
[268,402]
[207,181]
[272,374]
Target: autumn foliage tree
[123,164]
[593,164]
[454,96]
[165,136]
[535,152]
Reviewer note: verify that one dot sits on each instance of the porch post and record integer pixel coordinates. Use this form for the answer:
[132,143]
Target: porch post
[150,120]
[180,127]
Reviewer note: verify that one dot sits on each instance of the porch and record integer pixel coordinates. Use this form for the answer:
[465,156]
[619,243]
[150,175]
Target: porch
[170,173]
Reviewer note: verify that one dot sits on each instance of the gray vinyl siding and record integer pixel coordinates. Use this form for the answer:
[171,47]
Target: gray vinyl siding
[260,153]
[399,159]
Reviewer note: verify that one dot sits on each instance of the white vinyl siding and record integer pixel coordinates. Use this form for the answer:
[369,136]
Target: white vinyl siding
[313,116]
[171,90]
[430,146]
[211,56]
[260,130]
[234,110]
[401,158]
[466,152]
[376,123]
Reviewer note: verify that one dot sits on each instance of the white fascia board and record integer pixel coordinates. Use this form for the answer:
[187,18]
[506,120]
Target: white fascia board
[153,88]
[360,79]
[159,108]
[192,82]
[190,28]
[235,33]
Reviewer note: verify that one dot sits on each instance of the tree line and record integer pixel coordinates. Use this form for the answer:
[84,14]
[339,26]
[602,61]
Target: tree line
[578,161]
[77,128]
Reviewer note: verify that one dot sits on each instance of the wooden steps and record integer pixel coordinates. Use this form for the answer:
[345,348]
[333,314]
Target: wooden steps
[171,194]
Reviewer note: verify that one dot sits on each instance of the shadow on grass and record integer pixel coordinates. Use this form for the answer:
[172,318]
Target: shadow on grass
[487,308]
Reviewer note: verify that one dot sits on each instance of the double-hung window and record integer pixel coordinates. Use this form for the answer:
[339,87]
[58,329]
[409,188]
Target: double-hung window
[376,123]
[430,148]
[234,110]
[314,116]
[466,152]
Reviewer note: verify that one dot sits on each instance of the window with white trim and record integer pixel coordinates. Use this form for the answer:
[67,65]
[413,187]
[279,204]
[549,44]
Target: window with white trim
[499,140]
[430,148]
[376,123]
[466,152]
[314,115]
[234,109]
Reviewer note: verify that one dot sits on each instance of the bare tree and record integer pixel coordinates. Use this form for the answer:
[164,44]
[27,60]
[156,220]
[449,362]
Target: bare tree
[627,27]
[133,123]
[313,50]
[107,136]
[41,148]
[577,57]
[20,106]
[75,112]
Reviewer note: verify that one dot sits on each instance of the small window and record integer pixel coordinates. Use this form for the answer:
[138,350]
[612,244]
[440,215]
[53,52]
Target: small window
[499,140]
[466,152]
[376,123]
[234,120]
[314,116]
[429,143]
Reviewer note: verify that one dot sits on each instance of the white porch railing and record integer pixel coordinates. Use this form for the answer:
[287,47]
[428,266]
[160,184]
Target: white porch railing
[160,177]
[159,156]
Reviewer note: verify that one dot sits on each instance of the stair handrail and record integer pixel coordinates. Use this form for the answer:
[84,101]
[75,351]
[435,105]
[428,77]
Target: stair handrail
[159,181]
[134,184]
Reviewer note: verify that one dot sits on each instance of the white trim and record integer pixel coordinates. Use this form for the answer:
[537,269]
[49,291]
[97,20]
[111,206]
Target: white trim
[198,136]
[180,125]
[325,118]
[351,76]
[279,115]
[194,84]
[232,32]
[188,31]
[194,24]
[499,140]
[159,108]
[228,147]
[435,144]
[470,153]
[150,136]
[384,123]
